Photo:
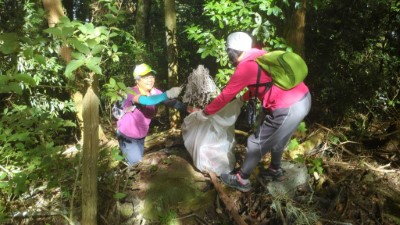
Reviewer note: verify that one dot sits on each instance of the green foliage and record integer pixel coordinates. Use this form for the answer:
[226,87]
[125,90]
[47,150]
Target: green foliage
[352,50]
[87,42]
[9,43]
[294,143]
[316,166]
[313,164]
[28,140]
[116,90]
[227,16]
[115,154]
[169,218]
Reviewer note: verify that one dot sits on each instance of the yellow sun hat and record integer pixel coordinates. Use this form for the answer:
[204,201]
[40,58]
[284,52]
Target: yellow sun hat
[142,70]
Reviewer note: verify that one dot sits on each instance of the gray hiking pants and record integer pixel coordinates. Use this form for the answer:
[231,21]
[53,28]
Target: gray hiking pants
[274,134]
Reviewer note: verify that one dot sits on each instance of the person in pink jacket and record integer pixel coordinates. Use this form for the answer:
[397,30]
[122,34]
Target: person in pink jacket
[285,109]
[140,108]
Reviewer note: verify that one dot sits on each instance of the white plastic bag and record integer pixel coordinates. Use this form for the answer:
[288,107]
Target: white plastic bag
[211,142]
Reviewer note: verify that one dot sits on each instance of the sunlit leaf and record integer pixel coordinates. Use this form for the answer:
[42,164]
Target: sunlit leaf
[112,82]
[93,65]
[72,66]
[97,49]
[293,144]
[81,47]
[56,31]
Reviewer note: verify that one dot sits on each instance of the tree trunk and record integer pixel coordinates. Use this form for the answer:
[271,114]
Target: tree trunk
[88,115]
[91,104]
[172,53]
[295,28]
[54,10]
[142,13]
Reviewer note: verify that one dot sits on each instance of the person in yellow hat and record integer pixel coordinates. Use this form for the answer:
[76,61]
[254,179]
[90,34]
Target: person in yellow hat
[133,126]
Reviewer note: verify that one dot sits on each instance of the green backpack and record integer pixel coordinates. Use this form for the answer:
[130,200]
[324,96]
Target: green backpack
[287,69]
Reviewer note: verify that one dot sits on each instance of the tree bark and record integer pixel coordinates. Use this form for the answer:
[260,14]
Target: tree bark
[295,28]
[91,104]
[142,14]
[172,53]
[54,11]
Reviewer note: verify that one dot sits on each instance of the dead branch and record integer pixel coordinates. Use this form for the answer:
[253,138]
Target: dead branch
[379,169]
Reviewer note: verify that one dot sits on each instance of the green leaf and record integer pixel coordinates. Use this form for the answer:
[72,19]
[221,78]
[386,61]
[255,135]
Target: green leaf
[302,127]
[91,42]
[56,31]
[77,55]
[121,85]
[114,48]
[72,66]
[119,195]
[89,28]
[293,144]
[67,31]
[11,43]
[3,184]
[25,78]
[40,59]
[3,175]
[28,53]
[83,29]
[97,49]
[112,82]
[118,157]
[113,34]
[93,65]
[12,87]
[65,20]
[81,47]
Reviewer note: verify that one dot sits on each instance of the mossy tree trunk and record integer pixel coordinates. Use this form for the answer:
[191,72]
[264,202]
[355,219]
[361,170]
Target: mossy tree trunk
[172,54]
[294,34]
[142,14]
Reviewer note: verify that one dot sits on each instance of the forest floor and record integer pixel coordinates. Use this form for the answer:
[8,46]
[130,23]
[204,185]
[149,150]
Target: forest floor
[357,184]
[350,182]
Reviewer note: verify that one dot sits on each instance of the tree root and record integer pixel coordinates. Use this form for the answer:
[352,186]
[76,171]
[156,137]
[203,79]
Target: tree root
[227,201]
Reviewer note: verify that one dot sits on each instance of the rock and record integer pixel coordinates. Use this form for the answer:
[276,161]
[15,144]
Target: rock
[296,176]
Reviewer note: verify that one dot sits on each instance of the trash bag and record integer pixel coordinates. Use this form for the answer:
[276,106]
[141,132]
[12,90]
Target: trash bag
[211,142]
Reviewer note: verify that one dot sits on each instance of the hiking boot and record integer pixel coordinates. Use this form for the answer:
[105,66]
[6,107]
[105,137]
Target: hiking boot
[272,175]
[232,181]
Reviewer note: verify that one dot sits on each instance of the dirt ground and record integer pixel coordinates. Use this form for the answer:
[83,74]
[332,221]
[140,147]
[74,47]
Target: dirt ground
[357,185]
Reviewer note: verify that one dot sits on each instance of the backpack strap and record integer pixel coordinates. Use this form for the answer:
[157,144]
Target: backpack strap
[268,85]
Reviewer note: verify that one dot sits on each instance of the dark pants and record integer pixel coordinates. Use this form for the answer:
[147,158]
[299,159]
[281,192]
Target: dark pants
[274,134]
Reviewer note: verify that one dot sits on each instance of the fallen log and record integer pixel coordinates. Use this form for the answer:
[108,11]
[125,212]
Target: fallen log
[227,201]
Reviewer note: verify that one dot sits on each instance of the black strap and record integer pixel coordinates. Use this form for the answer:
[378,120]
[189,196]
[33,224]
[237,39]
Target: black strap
[268,85]
[258,80]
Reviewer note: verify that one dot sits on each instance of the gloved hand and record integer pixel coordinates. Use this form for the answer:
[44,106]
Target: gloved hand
[200,115]
[173,92]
